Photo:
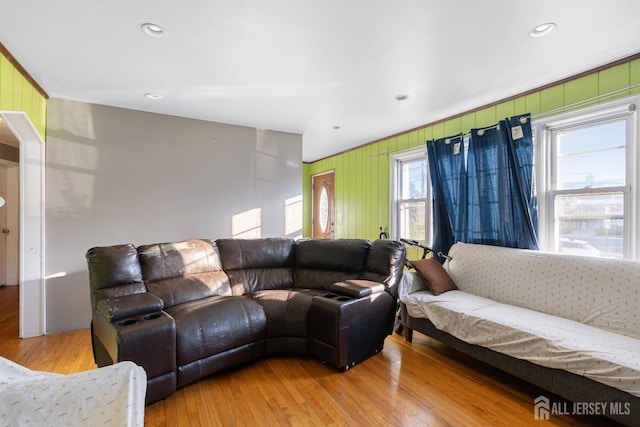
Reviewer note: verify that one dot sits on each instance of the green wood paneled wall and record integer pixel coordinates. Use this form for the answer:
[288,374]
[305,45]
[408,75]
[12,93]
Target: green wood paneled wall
[362,181]
[17,94]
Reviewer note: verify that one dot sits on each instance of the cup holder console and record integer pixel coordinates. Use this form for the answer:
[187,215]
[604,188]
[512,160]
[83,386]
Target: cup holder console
[152,316]
[345,330]
[336,297]
[135,320]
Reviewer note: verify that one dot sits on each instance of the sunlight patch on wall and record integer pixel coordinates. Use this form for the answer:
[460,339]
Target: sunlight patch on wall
[75,118]
[293,217]
[73,155]
[247,224]
[71,170]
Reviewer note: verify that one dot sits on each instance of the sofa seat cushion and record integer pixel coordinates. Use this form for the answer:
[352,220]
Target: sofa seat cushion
[540,338]
[287,311]
[216,324]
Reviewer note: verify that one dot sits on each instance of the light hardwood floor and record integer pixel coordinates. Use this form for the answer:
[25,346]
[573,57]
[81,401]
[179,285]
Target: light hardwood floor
[419,384]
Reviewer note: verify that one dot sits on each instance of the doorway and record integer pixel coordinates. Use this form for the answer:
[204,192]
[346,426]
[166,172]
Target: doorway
[30,203]
[323,209]
[3,220]
[9,217]
[9,206]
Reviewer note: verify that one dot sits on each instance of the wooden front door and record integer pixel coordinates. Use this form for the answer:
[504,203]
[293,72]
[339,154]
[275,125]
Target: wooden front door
[323,205]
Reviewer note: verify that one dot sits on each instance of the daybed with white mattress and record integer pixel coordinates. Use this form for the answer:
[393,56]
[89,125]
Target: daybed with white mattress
[569,324]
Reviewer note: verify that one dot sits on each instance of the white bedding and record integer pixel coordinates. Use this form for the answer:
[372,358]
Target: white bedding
[600,292]
[113,395]
[546,340]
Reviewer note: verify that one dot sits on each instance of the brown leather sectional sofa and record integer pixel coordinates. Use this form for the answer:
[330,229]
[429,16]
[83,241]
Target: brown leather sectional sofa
[189,309]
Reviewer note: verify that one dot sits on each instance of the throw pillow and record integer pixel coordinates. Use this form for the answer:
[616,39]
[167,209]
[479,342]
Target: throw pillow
[434,275]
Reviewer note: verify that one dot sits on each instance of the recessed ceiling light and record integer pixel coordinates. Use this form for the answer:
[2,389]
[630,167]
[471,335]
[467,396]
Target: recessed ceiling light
[542,30]
[402,97]
[154,96]
[154,30]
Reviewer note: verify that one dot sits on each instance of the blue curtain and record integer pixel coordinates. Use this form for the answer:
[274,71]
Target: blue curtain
[521,153]
[491,200]
[485,202]
[447,172]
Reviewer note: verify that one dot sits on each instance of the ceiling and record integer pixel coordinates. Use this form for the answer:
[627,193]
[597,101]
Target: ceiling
[309,67]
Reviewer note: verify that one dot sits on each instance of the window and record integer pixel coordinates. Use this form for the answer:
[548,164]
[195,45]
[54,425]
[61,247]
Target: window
[587,181]
[411,197]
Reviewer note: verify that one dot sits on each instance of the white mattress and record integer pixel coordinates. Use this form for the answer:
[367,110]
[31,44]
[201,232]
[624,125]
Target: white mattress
[547,340]
[600,292]
[113,396]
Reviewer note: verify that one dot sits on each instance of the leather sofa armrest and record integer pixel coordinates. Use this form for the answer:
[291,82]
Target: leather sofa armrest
[114,309]
[357,288]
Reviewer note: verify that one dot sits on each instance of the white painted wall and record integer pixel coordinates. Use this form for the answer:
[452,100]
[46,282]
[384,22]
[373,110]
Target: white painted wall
[123,176]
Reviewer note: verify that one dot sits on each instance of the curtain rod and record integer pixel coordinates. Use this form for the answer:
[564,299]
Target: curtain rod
[537,116]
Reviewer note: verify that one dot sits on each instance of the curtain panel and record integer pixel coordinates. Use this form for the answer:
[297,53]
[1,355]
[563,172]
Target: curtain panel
[488,195]
[448,180]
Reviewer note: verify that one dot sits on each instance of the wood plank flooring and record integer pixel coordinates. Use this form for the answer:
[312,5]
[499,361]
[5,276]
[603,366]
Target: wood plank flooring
[419,384]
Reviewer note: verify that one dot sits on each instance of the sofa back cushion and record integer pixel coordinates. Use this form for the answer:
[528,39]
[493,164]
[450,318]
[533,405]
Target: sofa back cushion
[257,264]
[599,292]
[322,262]
[114,271]
[183,271]
[385,264]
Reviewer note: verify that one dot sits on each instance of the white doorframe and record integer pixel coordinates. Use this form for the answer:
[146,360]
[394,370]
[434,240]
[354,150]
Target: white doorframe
[32,193]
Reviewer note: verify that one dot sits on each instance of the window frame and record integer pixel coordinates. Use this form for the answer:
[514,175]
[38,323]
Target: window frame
[546,130]
[397,162]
